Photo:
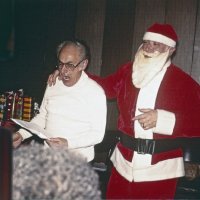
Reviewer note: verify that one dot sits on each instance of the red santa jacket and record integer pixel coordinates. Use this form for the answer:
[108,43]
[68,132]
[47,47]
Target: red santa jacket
[178,93]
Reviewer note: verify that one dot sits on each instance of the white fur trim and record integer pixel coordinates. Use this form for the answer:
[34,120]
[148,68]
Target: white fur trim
[162,170]
[165,122]
[159,38]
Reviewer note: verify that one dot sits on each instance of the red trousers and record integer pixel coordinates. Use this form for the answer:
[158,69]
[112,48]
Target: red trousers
[120,188]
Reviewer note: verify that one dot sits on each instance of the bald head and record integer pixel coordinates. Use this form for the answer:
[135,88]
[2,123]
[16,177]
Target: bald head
[82,48]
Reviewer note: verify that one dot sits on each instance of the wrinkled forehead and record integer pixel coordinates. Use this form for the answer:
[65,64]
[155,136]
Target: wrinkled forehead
[70,50]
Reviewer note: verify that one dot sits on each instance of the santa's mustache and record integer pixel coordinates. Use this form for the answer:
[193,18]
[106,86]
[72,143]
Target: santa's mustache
[151,55]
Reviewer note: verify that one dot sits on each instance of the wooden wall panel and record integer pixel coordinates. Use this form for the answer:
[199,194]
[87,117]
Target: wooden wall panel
[117,44]
[90,27]
[182,15]
[195,71]
[147,12]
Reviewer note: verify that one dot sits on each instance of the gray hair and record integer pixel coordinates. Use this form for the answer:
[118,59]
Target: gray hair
[45,173]
[81,45]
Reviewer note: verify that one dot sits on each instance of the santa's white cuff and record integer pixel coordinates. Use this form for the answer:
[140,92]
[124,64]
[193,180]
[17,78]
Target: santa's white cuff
[165,122]
[24,133]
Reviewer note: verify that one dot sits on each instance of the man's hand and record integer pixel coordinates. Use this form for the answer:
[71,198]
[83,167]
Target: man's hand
[17,139]
[57,142]
[147,119]
[52,78]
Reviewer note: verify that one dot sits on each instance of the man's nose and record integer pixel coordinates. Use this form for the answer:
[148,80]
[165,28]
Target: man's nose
[148,48]
[64,69]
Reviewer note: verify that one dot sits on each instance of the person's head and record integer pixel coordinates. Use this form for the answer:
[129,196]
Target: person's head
[72,59]
[159,43]
[160,38]
[46,173]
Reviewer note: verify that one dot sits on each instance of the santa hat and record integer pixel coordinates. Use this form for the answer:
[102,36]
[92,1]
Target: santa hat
[163,33]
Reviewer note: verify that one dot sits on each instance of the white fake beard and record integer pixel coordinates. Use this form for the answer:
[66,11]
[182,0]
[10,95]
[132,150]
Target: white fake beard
[146,68]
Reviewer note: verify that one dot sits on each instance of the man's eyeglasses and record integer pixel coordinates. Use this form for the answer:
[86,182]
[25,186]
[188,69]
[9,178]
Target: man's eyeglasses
[68,66]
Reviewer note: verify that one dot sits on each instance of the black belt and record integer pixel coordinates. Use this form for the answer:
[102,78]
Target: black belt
[149,146]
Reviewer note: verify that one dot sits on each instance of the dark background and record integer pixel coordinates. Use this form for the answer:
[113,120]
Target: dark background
[30,30]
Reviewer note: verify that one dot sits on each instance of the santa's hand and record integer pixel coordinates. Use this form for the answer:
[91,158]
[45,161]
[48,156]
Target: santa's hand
[147,119]
[57,142]
[52,78]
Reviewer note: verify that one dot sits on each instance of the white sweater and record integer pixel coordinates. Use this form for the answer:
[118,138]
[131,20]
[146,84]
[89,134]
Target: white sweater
[76,113]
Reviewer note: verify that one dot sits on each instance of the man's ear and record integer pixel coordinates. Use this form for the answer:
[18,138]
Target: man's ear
[84,64]
[172,50]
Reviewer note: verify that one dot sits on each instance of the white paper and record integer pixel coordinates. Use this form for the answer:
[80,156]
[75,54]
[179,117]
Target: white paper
[32,127]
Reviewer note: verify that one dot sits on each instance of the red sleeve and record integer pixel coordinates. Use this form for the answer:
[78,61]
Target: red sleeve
[180,94]
[188,119]
[112,82]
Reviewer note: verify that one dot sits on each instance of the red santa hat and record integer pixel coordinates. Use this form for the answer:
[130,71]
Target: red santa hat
[163,33]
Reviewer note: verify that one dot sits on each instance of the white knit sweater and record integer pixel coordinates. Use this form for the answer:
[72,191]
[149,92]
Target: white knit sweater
[76,113]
